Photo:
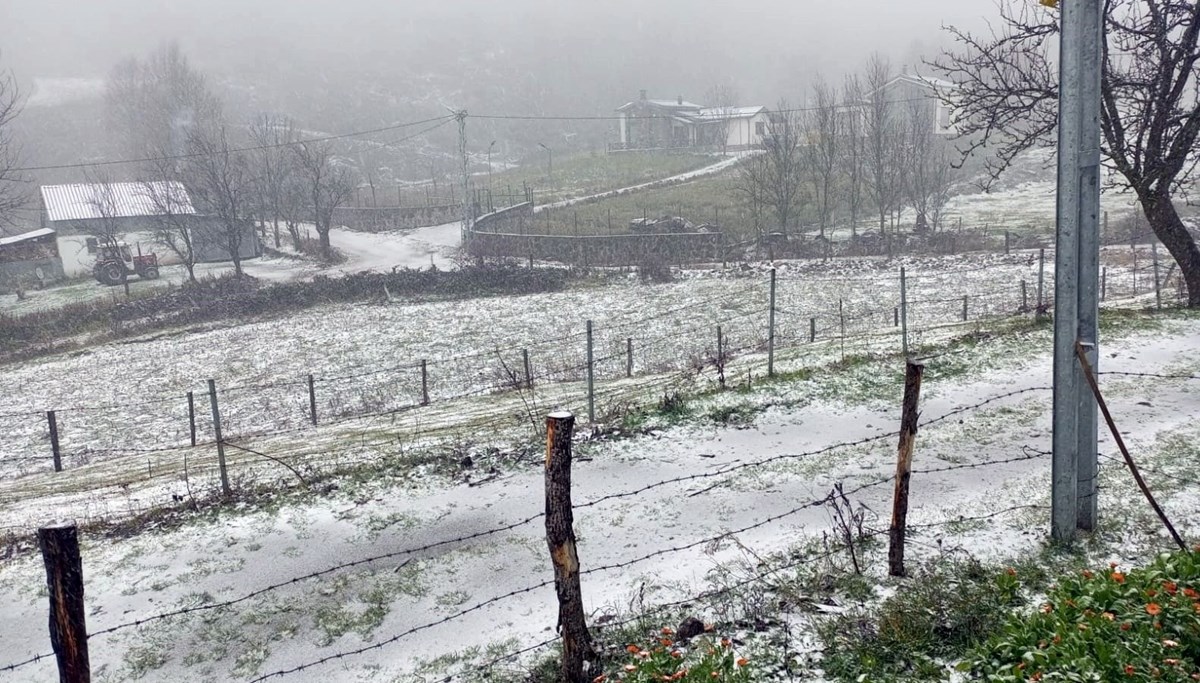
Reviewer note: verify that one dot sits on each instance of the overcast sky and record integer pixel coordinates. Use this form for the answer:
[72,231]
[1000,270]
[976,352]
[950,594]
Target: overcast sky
[84,37]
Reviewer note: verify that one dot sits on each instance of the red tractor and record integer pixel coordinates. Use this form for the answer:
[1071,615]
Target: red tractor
[115,262]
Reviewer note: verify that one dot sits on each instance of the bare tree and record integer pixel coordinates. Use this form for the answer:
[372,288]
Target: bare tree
[1150,111]
[881,128]
[223,185]
[782,171]
[273,135]
[853,152]
[721,100]
[927,175]
[327,184]
[824,148]
[749,185]
[107,228]
[151,102]
[12,182]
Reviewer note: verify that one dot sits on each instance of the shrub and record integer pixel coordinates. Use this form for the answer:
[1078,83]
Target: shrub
[704,659]
[1104,626]
[940,614]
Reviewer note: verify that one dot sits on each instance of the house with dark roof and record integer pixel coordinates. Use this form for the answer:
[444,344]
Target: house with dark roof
[665,124]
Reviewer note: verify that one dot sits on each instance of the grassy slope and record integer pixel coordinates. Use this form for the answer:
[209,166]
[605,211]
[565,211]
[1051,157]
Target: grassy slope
[587,174]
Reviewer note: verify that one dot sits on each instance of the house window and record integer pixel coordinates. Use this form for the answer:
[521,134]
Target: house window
[760,128]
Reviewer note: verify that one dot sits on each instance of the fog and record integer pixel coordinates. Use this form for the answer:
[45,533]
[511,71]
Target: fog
[354,64]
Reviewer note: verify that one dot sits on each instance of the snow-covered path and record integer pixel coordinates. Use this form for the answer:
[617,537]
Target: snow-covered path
[419,248]
[765,503]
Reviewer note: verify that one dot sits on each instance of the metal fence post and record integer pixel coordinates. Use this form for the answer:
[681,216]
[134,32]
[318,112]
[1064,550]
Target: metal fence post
[904,311]
[771,330]
[591,376]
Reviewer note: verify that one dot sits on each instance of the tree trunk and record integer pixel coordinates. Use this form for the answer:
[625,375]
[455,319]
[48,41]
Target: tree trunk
[1166,224]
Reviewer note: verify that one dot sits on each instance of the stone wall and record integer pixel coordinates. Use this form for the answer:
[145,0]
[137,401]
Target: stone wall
[383,219]
[599,250]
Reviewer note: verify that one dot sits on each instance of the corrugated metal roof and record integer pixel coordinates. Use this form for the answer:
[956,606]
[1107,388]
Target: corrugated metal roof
[5,241]
[115,200]
[720,113]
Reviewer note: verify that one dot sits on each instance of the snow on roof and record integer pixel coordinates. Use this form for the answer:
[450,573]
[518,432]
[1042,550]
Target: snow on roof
[937,84]
[115,200]
[665,104]
[720,113]
[25,236]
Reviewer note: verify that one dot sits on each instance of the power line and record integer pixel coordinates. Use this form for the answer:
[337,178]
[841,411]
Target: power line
[441,121]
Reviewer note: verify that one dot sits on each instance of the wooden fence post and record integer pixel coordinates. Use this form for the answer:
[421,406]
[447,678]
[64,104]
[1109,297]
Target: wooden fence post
[64,580]
[1041,290]
[1157,279]
[424,382]
[216,415]
[560,537]
[312,399]
[812,330]
[192,416]
[528,369]
[908,436]
[629,356]
[1104,283]
[720,357]
[54,449]
[903,312]
[1024,296]
[964,312]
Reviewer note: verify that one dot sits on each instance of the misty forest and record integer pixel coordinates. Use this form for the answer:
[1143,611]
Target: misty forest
[532,341]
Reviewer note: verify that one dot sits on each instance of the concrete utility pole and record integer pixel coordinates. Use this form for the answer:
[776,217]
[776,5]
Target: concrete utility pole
[1077,265]
[461,117]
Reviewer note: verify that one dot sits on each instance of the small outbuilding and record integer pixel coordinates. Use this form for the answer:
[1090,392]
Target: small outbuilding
[30,259]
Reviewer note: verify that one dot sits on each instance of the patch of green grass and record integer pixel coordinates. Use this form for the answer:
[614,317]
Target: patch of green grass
[586,174]
[1104,625]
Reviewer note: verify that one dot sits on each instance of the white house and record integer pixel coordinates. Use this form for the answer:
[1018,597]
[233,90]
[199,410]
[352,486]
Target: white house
[934,97]
[654,124]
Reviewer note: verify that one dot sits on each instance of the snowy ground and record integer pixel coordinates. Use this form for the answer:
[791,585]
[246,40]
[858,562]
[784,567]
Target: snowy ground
[364,251]
[755,480]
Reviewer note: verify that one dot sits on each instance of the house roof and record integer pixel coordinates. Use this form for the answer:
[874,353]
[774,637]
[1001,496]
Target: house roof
[115,200]
[936,84]
[25,236]
[721,113]
[673,105]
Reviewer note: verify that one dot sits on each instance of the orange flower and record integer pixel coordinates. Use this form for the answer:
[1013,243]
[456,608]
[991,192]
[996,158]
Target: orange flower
[1011,572]
[1125,626]
[1171,662]
[1087,574]
[1170,587]
[630,667]
[632,649]
[666,642]
[1169,643]
[716,674]
[666,631]
[1129,669]
[1112,565]
[676,654]
[1109,615]
[1037,676]
[1150,592]
[1153,609]
[1118,577]
[743,661]
[1191,593]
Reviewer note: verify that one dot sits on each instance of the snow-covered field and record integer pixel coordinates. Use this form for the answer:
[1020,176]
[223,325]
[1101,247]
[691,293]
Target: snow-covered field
[443,607]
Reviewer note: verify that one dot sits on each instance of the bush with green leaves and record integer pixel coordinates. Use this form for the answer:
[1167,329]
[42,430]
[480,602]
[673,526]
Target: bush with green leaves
[663,659]
[1104,625]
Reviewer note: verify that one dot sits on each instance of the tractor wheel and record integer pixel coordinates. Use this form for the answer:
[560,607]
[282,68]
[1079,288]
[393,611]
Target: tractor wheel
[110,274]
[150,273]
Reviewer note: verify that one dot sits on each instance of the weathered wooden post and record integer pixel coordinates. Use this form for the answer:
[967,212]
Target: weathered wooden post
[1157,279]
[216,416]
[896,316]
[720,357]
[1024,296]
[560,537]
[903,312]
[842,328]
[64,582]
[1007,243]
[812,330]
[54,448]
[424,382]
[528,369]
[1104,283]
[192,416]
[629,356]
[312,399]
[964,311]
[908,437]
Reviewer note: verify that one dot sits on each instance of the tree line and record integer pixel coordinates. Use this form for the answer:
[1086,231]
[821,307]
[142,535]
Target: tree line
[853,150]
